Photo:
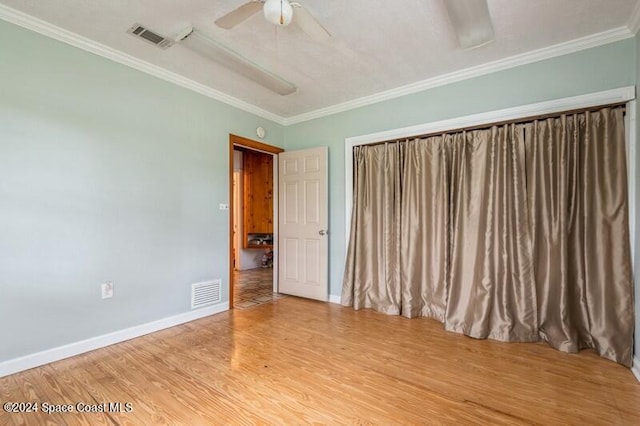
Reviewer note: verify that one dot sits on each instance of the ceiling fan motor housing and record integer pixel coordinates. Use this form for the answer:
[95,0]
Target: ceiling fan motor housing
[278,12]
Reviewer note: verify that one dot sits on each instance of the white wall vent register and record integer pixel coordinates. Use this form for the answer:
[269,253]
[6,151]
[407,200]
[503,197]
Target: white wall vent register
[205,293]
[149,36]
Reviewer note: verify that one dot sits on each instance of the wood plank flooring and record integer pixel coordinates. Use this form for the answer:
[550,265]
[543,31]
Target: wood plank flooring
[296,361]
[253,287]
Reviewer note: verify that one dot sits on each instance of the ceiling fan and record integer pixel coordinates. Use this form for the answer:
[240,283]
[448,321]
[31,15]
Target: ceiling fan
[278,12]
[471,21]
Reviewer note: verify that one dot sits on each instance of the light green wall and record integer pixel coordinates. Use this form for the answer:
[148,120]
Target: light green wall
[592,70]
[106,173]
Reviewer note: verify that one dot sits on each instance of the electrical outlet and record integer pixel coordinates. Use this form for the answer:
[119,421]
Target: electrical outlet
[107,290]
[224,206]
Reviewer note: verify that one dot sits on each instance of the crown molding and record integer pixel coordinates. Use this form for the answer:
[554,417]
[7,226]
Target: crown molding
[593,40]
[42,27]
[634,19]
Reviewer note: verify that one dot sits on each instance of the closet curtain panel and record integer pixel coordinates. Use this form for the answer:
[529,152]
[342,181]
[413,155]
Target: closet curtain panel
[424,242]
[491,287]
[374,248]
[517,232]
[576,173]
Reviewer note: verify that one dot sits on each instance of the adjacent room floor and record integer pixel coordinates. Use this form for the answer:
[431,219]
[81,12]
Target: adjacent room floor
[253,287]
[295,361]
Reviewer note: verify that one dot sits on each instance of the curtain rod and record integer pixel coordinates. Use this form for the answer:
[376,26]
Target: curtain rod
[521,120]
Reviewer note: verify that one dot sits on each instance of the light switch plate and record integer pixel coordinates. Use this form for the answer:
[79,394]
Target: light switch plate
[107,290]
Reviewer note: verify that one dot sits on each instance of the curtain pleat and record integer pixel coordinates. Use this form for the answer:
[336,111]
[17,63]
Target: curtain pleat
[517,232]
[425,222]
[491,283]
[374,249]
[577,198]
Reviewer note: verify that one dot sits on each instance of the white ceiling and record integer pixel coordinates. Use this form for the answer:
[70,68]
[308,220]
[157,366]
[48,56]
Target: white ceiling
[377,45]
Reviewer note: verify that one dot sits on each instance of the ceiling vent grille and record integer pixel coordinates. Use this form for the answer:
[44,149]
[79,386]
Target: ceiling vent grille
[149,36]
[205,293]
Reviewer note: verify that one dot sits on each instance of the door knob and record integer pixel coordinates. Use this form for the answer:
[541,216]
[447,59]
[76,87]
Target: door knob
[323,232]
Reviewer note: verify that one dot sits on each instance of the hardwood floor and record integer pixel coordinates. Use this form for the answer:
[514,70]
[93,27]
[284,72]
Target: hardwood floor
[253,287]
[295,361]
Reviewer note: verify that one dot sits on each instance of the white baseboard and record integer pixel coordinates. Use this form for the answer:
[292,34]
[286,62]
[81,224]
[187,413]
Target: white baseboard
[635,369]
[61,352]
[334,299]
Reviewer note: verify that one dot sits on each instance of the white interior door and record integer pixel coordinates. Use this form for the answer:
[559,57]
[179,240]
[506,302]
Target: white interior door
[303,218]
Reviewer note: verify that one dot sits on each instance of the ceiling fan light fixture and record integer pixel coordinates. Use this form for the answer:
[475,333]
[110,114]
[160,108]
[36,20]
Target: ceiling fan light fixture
[278,12]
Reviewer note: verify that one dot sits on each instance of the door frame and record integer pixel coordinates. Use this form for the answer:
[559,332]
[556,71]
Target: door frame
[560,105]
[235,140]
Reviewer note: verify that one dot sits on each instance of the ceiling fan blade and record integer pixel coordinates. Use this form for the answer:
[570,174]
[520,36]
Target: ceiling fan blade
[471,21]
[307,23]
[239,15]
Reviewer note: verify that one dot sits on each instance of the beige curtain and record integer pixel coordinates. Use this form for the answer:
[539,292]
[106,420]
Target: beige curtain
[577,200]
[374,248]
[516,233]
[491,284]
[424,242]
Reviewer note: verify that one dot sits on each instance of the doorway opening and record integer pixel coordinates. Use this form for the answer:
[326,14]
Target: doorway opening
[253,222]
